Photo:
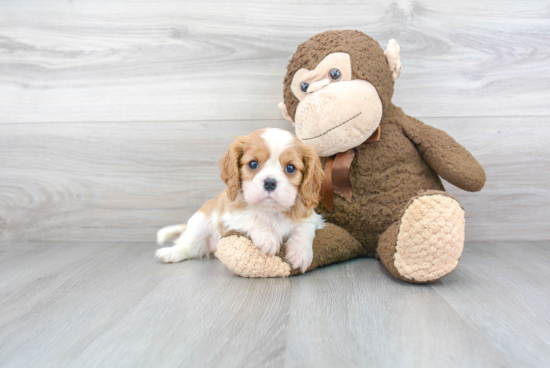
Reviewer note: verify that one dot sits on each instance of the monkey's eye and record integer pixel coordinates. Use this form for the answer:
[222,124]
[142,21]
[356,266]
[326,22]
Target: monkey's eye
[304,86]
[253,165]
[290,169]
[335,74]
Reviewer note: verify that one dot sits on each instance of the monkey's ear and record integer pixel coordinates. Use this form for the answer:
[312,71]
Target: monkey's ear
[284,111]
[394,61]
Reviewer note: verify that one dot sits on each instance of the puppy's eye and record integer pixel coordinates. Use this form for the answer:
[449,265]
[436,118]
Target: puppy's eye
[253,165]
[335,74]
[304,86]
[290,169]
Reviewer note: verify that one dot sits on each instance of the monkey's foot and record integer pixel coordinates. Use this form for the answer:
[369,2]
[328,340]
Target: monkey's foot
[239,254]
[427,241]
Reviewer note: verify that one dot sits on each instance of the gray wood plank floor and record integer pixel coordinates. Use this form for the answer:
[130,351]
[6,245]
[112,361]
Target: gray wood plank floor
[99,304]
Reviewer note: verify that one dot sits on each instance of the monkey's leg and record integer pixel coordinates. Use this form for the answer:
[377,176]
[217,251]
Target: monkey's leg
[425,244]
[332,244]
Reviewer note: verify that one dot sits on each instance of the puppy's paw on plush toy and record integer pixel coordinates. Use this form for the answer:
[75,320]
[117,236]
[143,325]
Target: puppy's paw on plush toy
[298,255]
[266,241]
[332,244]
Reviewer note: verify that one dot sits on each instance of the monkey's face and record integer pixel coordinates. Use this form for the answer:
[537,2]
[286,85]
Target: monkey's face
[335,113]
[336,88]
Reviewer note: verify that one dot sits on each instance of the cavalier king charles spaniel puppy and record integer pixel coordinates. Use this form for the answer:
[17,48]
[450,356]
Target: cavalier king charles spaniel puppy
[273,183]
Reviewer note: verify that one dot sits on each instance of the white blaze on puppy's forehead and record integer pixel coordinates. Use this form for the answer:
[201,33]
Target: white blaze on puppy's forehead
[278,140]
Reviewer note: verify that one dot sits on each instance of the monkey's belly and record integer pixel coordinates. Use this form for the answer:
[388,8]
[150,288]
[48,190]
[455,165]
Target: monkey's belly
[384,177]
[373,211]
[369,215]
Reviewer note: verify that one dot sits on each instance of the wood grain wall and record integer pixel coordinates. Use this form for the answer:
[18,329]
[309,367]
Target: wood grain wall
[113,114]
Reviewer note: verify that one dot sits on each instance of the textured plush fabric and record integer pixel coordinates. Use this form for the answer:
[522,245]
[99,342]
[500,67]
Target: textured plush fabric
[448,158]
[386,250]
[384,175]
[427,241]
[367,62]
[387,176]
[238,254]
[394,60]
[358,117]
[431,238]
[407,159]
[331,245]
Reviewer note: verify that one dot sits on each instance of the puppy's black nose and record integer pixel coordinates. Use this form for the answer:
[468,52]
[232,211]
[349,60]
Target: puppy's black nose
[270,184]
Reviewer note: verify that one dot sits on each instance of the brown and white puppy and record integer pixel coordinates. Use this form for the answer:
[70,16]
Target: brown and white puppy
[273,183]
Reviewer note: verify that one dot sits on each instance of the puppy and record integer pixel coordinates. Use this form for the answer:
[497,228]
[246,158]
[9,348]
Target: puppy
[273,183]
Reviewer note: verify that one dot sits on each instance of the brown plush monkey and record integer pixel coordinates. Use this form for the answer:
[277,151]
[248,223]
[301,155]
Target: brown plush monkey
[382,194]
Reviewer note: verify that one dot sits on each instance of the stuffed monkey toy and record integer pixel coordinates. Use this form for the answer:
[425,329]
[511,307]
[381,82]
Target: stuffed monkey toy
[382,195]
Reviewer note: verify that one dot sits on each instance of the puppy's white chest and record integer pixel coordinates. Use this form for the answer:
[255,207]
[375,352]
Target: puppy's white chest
[247,221]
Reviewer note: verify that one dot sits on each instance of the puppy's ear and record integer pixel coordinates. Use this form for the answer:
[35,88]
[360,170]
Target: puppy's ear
[230,168]
[313,177]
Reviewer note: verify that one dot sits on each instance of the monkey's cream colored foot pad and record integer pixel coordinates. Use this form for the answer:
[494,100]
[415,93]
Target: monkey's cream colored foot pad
[430,239]
[240,255]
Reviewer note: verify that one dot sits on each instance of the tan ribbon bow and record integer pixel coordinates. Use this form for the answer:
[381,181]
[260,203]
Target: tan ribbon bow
[337,174]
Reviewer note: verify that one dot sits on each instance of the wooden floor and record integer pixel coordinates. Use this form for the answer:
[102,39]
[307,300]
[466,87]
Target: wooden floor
[112,305]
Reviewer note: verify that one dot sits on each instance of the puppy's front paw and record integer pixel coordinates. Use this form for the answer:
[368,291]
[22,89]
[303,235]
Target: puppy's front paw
[299,254]
[170,255]
[266,242]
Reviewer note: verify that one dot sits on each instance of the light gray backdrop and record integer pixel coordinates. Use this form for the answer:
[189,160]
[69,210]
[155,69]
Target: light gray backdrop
[113,114]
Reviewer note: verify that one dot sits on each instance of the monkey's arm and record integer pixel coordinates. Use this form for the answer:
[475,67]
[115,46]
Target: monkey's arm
[448,158]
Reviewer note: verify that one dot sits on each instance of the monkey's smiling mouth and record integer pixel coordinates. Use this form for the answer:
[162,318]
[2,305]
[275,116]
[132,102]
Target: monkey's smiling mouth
[334,127]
